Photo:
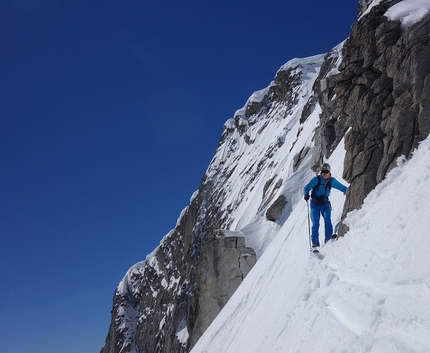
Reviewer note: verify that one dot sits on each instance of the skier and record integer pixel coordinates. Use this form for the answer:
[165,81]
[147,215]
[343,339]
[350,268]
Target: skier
[320,204]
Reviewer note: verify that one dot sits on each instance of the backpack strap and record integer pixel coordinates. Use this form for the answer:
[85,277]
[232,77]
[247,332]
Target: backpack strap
[315,188]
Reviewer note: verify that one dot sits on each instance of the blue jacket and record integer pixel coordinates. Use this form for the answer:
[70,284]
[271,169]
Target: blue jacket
[323,190]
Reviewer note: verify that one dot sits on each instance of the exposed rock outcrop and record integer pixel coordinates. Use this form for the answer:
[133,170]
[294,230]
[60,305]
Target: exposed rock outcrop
[160,305]
[382,98]
[150,309]
[224,263]
[274,212]
[330,130]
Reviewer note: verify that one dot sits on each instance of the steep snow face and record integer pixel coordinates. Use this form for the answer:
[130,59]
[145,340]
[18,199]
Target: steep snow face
[264,152]
[370,292]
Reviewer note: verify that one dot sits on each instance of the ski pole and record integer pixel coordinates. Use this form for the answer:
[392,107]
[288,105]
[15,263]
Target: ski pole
[309,225]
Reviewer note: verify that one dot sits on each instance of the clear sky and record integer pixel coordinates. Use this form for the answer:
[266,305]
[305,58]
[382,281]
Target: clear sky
[110,112]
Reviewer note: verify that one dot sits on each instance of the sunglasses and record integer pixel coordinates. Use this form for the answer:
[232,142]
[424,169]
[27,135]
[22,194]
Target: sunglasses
[325,172]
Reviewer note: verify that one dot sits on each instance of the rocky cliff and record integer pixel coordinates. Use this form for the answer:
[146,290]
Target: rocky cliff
[369,93]
[382,99]
[155,307]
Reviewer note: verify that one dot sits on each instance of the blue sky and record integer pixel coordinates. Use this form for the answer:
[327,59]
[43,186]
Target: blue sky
[110,113]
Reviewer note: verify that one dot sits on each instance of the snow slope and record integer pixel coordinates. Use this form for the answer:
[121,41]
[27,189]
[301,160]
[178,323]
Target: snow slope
[370,293]
[277,136]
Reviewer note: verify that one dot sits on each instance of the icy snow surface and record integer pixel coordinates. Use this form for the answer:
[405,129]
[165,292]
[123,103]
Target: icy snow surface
[370,292]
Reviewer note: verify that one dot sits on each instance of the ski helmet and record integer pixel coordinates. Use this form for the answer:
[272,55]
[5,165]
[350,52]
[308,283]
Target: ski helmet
[325,167]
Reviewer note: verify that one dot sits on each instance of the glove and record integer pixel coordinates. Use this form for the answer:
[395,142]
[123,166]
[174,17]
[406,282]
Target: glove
[306,197]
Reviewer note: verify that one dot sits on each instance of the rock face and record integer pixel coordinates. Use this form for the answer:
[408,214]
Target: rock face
[372,92]
[150,307]
[382,97]
[274,212]
[224,263]
[330,131]
[165,303]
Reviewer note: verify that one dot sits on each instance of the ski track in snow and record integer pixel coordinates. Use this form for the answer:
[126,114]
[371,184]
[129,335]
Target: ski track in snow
[374,282]
[370,292]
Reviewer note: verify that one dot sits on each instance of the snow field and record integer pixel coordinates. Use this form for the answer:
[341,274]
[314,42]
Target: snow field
[370,293]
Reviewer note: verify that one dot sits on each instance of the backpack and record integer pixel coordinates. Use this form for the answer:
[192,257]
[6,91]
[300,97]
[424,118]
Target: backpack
[315,188]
